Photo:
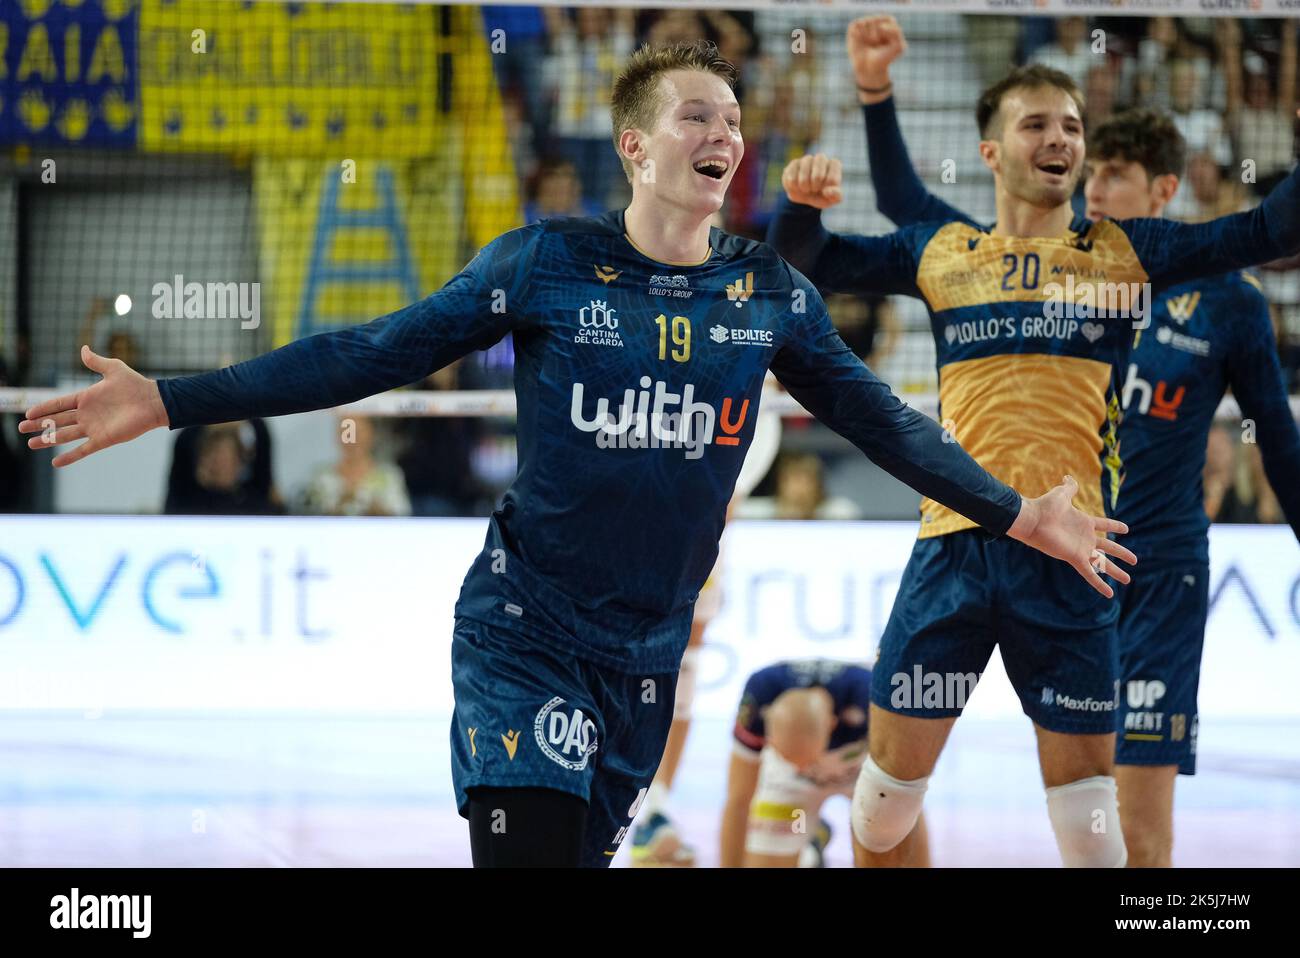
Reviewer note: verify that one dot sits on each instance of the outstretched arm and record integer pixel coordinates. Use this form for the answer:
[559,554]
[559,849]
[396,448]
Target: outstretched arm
[900,193]
[474,310]
[1173,252]
[822,373]
[835,262]
[1256,378]
[873,44]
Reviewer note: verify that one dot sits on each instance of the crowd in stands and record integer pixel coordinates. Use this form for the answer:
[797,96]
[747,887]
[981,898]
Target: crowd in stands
[1229,84]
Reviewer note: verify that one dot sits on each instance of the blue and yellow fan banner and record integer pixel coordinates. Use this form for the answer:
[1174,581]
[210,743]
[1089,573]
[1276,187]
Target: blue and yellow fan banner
[68,72]
[290,79]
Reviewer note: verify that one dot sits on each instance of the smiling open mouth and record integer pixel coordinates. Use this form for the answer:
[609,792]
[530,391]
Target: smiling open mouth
[714,169]
[1056,167]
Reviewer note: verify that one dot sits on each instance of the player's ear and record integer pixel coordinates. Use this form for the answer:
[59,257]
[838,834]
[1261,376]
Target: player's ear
[991,154]
[632,147]
[1164,187]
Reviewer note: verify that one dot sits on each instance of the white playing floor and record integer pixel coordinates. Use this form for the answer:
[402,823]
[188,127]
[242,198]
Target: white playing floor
[124,790]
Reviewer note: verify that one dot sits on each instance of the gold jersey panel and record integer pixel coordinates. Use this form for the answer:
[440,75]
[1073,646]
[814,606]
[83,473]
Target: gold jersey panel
[1028,332]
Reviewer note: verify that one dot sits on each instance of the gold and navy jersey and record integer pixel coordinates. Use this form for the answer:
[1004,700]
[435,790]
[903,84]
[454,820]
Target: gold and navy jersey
[638,387]
[1032,333]
[1205,336]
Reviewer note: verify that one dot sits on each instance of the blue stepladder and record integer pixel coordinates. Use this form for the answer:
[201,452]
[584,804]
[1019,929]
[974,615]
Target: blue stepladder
[320,271]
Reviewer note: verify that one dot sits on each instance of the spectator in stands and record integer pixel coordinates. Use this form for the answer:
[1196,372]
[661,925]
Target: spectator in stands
[1215,192]
[1102,91]
[587,50]
[105,332]
[1260,117]
[555,190]
[438,457]
[731,30]
[519,67]
[222,470]
[1071,52]
[991,45]
[800,494]
[659,28]
[358,484]
[1201,127]
[789,96]
[1145,79]
[1236,488]
[867,324]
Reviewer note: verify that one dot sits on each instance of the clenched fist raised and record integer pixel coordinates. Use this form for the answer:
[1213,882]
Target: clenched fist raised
[814,181]
[874,43]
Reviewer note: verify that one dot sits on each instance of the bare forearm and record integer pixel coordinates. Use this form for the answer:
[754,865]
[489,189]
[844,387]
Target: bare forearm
[735,823]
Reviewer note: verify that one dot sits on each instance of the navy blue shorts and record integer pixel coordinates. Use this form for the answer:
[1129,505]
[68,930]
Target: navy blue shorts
[1161,634]
[529,716]
[966,592]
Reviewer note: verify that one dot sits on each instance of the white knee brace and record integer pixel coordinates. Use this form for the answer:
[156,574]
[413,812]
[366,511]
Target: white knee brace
[885,810]
[1085,817]
[686,685]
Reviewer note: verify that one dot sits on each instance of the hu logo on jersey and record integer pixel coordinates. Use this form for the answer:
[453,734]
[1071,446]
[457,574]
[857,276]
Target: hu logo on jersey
[565,736]
[607,274]
[1182,307]
[598,326]
[666,421]
[740,291]
[1155,402]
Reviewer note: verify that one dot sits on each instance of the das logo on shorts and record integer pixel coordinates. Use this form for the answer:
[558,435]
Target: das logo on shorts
[566,737]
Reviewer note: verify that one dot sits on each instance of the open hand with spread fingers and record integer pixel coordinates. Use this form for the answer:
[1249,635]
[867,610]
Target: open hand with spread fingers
[116,409]
[1054,526]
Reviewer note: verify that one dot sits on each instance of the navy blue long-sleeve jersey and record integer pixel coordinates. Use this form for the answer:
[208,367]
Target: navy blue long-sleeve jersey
[638,386]
[1029,360]
[1206,335]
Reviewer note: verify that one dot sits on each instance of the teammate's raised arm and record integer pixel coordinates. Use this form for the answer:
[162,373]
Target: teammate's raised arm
[873,44]
[822,373]
[475,309]
[1173,252]
[1255,376]
[836,262]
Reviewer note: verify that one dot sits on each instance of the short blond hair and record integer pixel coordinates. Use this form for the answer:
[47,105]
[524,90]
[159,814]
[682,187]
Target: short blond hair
[637,100]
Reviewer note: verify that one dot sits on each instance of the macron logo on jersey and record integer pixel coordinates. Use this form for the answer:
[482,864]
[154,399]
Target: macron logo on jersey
[654,418]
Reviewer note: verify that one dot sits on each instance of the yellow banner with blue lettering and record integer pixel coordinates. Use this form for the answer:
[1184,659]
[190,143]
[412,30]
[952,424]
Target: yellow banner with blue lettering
[382,156]
[288,78]
[347,236]
[68,72]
